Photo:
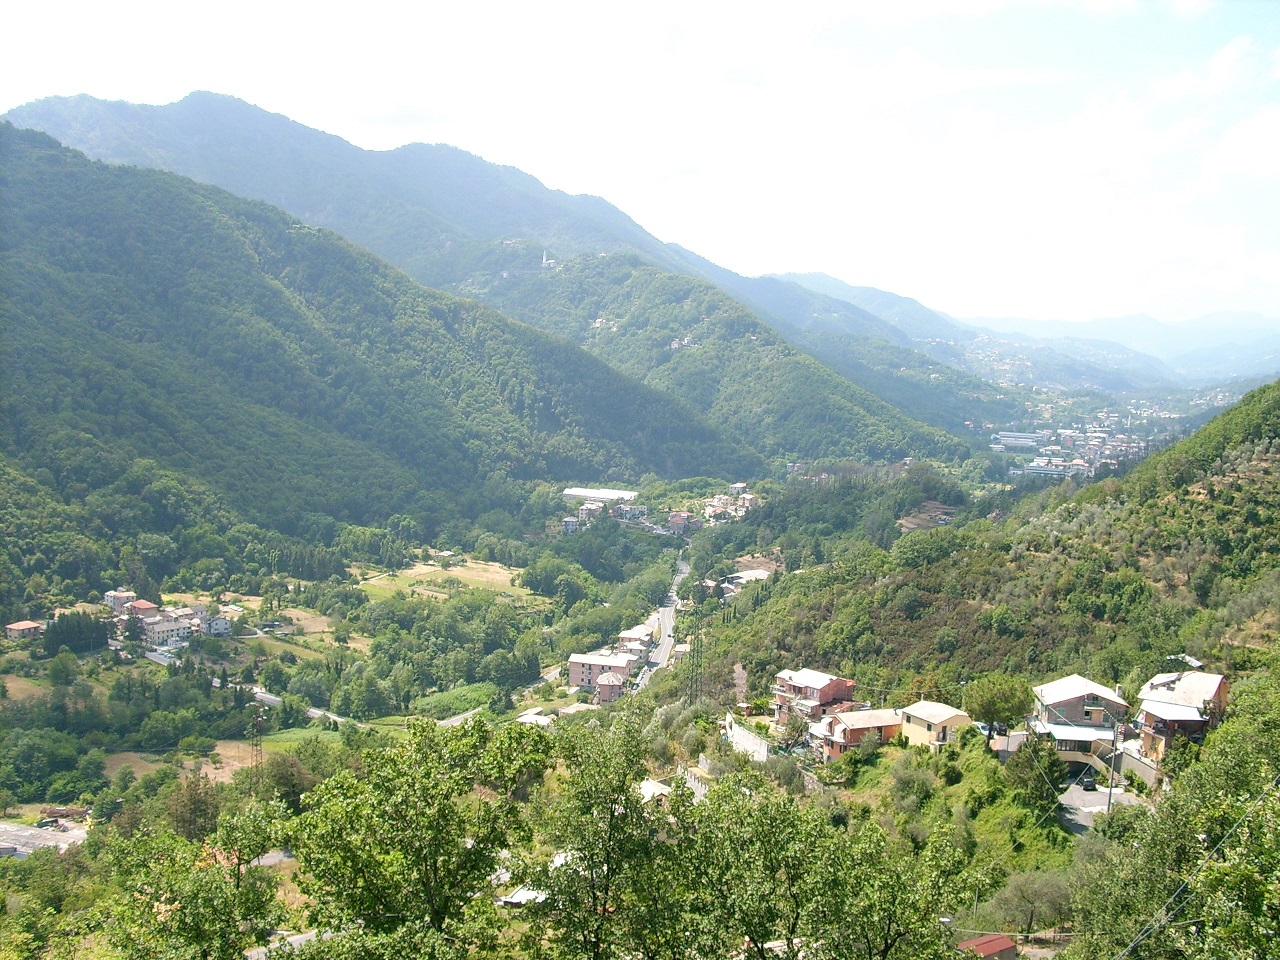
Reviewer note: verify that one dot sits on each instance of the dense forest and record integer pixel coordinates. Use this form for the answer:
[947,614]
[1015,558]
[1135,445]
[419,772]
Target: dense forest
[220,337]
[457,223]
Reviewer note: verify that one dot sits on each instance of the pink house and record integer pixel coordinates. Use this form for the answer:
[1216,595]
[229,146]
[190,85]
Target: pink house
[808,694]
[838,732]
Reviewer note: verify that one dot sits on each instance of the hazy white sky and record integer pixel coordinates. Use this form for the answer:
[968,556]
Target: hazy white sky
[1057,159]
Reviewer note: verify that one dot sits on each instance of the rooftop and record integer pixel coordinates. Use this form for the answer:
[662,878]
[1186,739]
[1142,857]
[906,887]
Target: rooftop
[866,719]
[805,678]
[1189,687]
[1174,712]
[930,711]
[1072,687]
[1070,731]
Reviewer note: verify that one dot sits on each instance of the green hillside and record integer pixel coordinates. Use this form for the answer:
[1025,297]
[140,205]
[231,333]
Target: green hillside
[456,222]
[689,339]
[145,316]
[1183,555]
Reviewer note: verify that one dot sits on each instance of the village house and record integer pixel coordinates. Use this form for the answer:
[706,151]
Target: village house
[585,669]
[1081,716]
[589,511]
[678,521]
[928,723]
[118,599]
[808,695]
[165,631]
[24,630]
[993,946]
[569,525]
[641,633]
[610,686]
[217,625]
[837,733]
[1187,704]
[534,717]
[141,609]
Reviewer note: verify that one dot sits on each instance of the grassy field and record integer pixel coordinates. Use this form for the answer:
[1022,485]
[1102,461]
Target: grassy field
[285,740]
[140,763]
[20,688]
[419,578]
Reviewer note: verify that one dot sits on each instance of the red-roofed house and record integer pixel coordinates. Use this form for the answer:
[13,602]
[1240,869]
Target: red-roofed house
[23,630]
[141,609]
[994,946]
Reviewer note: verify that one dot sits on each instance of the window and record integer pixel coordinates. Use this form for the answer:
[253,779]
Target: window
[1088,714]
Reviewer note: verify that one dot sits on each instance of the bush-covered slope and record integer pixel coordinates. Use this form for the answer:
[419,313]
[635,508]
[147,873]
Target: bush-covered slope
[293,372]
[1181,555]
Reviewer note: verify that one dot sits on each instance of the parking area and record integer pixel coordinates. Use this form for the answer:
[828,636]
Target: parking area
[1080,806]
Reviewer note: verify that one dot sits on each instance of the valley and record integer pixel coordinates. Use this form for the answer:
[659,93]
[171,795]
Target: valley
[328,612]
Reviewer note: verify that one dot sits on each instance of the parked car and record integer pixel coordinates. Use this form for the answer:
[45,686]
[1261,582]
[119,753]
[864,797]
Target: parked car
[1089,782]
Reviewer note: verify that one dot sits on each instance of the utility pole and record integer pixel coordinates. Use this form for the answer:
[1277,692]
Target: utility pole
[255,749]
[1116,743]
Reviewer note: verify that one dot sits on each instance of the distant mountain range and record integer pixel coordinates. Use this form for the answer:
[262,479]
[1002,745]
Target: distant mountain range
[458,223]
[1120,354]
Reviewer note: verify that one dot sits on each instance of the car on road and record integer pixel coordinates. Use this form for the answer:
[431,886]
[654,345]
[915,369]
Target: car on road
[1089,782]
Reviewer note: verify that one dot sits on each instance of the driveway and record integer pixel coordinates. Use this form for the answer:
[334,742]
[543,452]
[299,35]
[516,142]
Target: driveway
[1080,806]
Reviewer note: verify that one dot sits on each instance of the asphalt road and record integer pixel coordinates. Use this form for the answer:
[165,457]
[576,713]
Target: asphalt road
[666,618]
[1080,806]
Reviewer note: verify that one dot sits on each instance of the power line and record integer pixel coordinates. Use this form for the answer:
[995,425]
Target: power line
[1163,919]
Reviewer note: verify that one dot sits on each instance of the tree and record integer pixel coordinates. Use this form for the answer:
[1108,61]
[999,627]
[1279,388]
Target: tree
[193,807]
[185,899]
[410,838]
[1034,899]
[609,891]
[880,901]
[997,698]
[756,851]
[1035,771]
[63,669]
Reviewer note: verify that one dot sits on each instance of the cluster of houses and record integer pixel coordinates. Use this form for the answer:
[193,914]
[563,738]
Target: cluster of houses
[595,502]
[732,505]
[1069,452]
[839,723]
[1089,723]
[165,627]
[608,673]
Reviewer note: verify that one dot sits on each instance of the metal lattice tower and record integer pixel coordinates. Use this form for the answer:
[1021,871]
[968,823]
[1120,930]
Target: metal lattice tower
[694,678]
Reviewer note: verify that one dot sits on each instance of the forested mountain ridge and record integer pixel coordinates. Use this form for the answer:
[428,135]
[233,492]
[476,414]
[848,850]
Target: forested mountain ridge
[691,340]
[1182,555]
[147,316]
[456,222]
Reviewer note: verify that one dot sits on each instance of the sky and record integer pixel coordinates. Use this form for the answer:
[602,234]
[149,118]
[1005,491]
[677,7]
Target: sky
[1047,159]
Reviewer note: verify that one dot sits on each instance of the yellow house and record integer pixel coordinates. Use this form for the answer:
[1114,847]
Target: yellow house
[929,724]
